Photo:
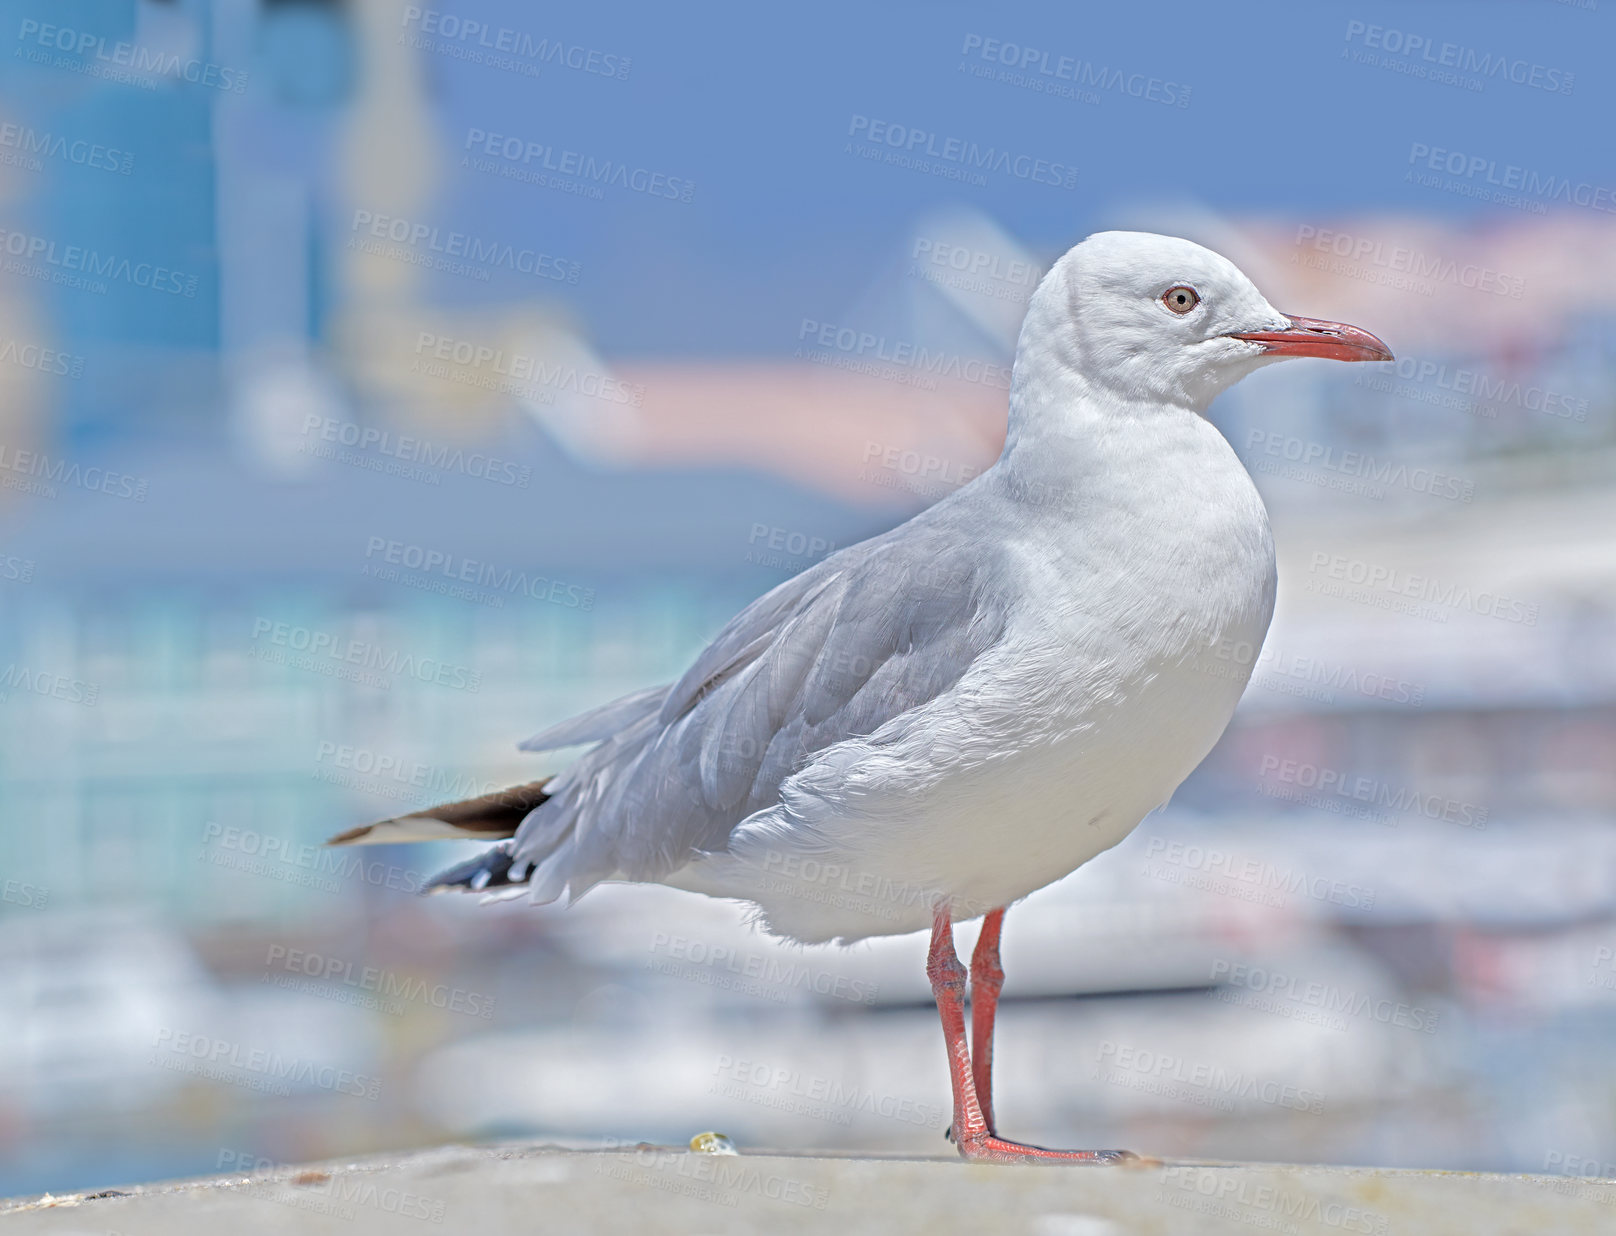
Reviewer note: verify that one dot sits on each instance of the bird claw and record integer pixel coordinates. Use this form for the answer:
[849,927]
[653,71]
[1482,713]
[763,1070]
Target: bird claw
[991,1149]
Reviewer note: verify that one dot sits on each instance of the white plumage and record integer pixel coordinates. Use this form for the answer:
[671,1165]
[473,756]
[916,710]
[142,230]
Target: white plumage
[974,704]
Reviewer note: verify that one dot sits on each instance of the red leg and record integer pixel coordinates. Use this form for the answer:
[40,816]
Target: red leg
[970,1130]
[987,979]
[948,987]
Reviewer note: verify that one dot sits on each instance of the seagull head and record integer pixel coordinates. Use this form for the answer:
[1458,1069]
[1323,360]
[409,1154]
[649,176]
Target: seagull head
[1159,320]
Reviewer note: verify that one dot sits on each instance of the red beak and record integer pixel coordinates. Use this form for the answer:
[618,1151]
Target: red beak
[1311,337]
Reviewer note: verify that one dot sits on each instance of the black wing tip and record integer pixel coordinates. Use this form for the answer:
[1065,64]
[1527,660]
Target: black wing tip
[491,869]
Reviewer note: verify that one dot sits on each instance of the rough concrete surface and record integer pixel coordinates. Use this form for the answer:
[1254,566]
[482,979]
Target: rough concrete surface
[647,1190]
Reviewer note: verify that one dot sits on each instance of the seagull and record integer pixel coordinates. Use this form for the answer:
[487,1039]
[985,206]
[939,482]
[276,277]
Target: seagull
[925,727]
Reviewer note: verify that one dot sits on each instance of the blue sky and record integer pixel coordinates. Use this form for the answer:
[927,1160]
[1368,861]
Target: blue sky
[755,105]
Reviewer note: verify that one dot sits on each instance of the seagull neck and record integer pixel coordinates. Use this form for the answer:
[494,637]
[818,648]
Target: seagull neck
[1069,433]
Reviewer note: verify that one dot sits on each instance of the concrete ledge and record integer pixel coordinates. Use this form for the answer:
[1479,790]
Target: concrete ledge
[651,1190]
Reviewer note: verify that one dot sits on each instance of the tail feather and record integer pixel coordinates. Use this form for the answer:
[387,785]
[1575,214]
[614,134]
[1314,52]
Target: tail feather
[489,817]
[543,870]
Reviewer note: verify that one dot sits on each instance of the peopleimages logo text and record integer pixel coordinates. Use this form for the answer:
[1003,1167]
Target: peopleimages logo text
[870,346]
[503,39]
[78,259]
[132,56]
[1024,59]
[30,142]
[916,143]
[364,654]
[58,471]
[1286,880]
[1323,996]
[1417,479]
[222,1053]
[481,574]
[1465,384]
[1461,59]
[388,984]
[1358,788]
[1396,581]
[1545,186]
[536,157]
[1366,250]
[41,359]
[408,449]
[474,249]
[527,373]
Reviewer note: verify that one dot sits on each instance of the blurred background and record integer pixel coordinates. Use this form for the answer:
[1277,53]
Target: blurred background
[381,382]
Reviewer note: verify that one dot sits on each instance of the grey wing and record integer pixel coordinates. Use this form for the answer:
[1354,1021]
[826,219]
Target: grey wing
[834,653]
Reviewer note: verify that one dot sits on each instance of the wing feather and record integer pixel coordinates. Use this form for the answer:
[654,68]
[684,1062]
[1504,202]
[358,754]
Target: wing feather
[598,723]
[834,654]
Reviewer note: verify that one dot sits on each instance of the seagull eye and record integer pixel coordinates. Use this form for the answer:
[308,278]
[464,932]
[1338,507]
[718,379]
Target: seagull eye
[1181,299]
